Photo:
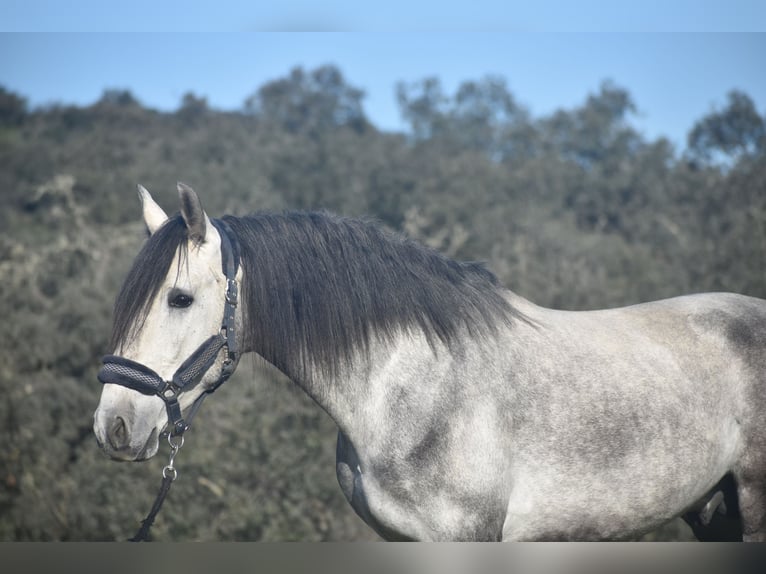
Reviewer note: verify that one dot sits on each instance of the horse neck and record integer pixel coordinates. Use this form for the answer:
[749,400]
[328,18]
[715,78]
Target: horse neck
[405,365]
[409,374]
[361,391]
[404,386]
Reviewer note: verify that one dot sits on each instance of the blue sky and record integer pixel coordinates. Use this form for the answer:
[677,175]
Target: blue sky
[392,15]
[672,56]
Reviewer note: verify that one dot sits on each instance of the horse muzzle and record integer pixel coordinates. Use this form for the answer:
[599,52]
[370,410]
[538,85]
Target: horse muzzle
[119,436]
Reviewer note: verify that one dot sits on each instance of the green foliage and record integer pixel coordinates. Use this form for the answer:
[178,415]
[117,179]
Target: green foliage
[576,210]
[737,131]
[192,109]
[309,102]
[482,115]
[13,108]
[595,133]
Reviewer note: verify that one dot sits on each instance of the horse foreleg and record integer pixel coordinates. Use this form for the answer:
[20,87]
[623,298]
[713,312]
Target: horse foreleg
[716,516]
[706,514]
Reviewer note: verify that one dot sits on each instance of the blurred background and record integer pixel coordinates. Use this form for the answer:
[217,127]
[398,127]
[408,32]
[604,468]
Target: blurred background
[587,169]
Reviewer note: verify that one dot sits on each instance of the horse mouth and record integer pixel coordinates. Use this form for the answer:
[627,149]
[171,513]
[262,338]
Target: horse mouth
[152,440]
[125,454]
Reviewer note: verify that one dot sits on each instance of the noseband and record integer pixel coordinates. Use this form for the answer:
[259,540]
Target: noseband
[133,375]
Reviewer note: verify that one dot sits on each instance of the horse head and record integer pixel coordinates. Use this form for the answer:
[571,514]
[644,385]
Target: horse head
[168,338]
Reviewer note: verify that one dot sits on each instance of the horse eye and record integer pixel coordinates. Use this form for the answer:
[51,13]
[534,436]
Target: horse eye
[180,300]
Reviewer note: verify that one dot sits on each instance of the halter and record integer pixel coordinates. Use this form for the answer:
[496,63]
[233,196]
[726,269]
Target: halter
[137,376]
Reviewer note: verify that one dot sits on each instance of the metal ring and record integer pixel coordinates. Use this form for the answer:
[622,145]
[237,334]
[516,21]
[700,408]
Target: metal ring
[168,469]
[173,445]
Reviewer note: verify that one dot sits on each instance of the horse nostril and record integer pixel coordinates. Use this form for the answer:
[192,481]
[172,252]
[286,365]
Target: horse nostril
[118,434]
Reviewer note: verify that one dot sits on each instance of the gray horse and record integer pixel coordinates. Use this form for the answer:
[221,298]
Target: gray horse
[465,412]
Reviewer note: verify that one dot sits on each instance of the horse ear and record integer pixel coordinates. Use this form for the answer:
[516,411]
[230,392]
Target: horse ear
[193,214]
[154,216]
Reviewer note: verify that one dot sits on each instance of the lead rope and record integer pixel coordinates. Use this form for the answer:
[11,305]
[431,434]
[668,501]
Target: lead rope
[169,474]
[139,377]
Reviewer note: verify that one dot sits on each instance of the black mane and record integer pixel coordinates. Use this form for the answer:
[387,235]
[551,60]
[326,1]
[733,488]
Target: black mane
[317,288]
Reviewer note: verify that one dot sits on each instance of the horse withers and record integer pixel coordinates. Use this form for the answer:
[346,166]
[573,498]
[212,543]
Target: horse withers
[465,412]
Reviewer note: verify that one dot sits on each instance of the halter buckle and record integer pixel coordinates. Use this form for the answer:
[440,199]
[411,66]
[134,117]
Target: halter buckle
[231,292]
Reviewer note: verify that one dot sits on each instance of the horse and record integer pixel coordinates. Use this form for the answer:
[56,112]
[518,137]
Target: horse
[464,411]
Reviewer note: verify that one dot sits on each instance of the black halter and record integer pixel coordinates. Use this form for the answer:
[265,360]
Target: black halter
[139,377]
